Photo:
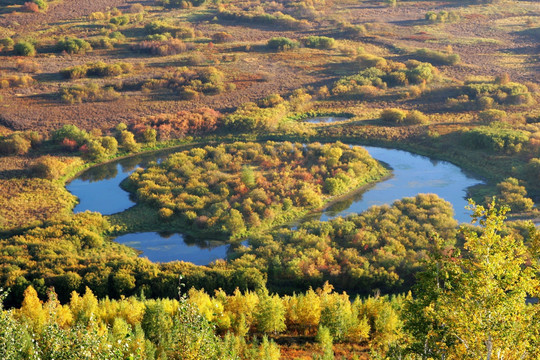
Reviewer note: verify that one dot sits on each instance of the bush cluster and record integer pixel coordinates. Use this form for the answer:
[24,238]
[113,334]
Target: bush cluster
[442,16]
[437,57]
[11,81]
[168,30]
[319,42]
[73,45]
[190,83]
[89,92]
[397,116]
[495,138]
[19,143]
[378,74]
[98,69]
[255,16]
[162,47]
[180,124]
[281,43]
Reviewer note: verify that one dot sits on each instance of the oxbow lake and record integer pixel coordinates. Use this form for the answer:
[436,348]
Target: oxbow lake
[98,189]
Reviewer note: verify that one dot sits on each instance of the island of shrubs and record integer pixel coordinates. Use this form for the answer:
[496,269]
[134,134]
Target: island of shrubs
[234,188]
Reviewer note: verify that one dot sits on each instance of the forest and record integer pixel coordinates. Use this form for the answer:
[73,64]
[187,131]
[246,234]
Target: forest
[255,127]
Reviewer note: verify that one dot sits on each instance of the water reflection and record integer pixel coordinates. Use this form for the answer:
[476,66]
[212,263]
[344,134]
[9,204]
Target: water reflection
[165,247]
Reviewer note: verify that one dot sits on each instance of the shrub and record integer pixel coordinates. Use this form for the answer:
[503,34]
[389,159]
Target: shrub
[162,28]
[24,48]
[70,132]
[395,116]
[48,167]
[319,42]
[117,36]
[416,117]
[492,115]
[87,93]
[15,145]
[75,72]
[31,7]
[102,43]
[485,102]
[42,4]
[495,138]
[119,20]
[514,195]
[281,43]
[222,37]
[441,16]
[127,141]
[98,15]
[6,43]
[437,57]
[162,48]
[73,45]
[369,60]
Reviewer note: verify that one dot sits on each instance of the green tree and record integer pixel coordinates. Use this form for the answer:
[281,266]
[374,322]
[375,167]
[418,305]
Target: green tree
[270,313]
[474,306]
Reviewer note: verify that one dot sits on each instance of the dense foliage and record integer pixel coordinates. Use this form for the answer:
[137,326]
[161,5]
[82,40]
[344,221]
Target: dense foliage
[238,187]
[377,74]
[489,283]
[180,124]
[379,249]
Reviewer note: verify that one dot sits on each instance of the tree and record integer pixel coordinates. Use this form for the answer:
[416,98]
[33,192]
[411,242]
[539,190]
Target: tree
[474,306]
[512,194]
[270,313]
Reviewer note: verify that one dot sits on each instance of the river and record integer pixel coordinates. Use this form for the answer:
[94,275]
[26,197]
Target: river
[98,190]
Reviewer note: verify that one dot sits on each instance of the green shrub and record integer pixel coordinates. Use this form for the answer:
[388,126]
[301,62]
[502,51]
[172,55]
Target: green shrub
[75,72]
[42,4]
[437,57]
[70,132]
[319,42]
[394,116]
[73,45]
[281,43]
[7,43]
[492,115]
[495,138]
[24,48]
[120,20]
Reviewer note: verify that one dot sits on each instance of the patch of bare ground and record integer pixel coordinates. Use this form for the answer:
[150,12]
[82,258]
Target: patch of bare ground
[485,49]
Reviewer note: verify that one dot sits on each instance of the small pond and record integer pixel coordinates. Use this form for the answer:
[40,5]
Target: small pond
[98,190]
[325,119]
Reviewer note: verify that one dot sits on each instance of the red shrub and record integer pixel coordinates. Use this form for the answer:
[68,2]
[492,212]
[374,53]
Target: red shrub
[31,7]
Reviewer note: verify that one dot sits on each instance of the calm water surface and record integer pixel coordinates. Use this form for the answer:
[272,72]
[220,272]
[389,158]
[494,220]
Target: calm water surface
[98,190]
[325,119]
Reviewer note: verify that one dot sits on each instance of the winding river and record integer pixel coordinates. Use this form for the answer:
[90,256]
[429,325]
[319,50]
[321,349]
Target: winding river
[98,190]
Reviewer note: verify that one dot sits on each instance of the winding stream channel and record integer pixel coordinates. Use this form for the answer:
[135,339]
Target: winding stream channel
[98,190]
